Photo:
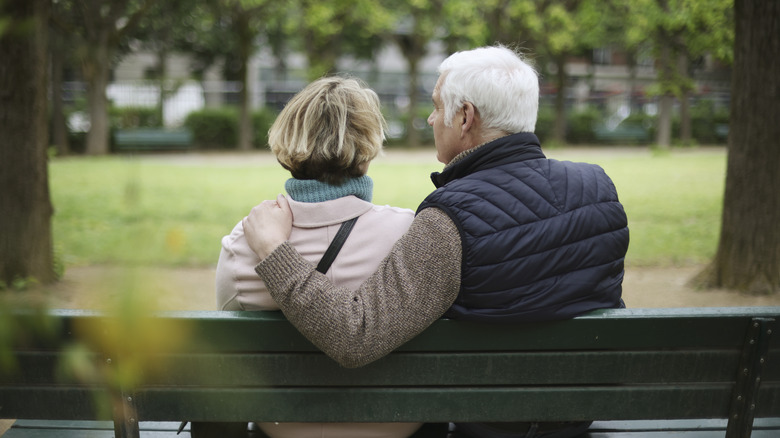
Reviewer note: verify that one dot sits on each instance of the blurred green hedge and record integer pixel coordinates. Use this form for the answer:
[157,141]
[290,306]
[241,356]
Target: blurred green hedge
[217,128]
[709,125]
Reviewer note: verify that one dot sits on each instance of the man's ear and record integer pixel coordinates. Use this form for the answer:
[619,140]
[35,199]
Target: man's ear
[468,122]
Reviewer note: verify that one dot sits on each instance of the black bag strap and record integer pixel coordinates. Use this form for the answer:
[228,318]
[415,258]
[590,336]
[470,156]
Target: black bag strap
[335,246]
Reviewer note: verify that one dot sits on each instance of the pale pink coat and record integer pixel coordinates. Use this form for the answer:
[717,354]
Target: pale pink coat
[314,226]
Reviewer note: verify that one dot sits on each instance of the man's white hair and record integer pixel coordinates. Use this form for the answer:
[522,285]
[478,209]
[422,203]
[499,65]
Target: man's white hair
[503,88]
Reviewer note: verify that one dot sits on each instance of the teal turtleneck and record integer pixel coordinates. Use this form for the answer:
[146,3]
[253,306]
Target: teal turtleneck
[311,190]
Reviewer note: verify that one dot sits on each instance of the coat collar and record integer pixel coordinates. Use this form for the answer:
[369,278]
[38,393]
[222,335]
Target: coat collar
[320,214]
[509,149]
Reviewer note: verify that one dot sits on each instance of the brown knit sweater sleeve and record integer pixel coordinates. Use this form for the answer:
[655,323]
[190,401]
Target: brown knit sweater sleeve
[414,285]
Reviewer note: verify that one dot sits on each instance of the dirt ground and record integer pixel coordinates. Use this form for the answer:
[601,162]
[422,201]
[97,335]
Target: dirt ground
[193,288]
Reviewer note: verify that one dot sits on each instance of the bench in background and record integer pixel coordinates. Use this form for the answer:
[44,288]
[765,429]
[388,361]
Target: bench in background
[694,371]
[151,139]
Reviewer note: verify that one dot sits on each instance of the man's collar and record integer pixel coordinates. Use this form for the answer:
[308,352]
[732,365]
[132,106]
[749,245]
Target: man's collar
[520,146]
[470,151]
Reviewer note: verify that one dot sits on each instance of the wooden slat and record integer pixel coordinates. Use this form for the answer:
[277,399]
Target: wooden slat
[772,368]
[424,404]
[430,369]
[587,333]
[769,400]
[699,428]
[437,369]
[704,328]
[54,403]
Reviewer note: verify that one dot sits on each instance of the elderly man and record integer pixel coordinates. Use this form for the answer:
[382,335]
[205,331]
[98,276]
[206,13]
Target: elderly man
[507,236]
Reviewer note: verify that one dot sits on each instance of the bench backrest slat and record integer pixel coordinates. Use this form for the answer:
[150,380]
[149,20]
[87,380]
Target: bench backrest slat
[614,328]
[610,365]
[533,368]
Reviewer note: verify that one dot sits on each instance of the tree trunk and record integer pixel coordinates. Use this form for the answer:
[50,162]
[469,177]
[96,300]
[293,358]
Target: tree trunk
[412,136]
[665,102]
[631,64]
[162,75]
[686,136]
[25,240]
[245,136]
[664,135]
[748,255]
[685,102]
[59,126]
[96,72]
[559,128]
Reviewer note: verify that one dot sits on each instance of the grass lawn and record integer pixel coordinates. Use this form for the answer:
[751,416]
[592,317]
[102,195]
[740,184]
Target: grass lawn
[162,212]
[673,203]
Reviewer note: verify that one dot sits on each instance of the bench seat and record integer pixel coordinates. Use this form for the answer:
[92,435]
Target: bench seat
[152,139]
[702,428]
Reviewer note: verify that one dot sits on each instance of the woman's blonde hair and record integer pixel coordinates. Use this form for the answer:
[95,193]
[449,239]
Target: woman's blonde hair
[329,130]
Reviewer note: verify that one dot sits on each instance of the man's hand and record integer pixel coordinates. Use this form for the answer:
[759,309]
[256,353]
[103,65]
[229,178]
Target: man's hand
[268,225]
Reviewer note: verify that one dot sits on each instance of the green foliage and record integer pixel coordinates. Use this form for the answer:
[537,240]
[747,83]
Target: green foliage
[581,125]
[643,121]
[26,325]
[217,128]
[4,24]
[424,131]
[213,128]
[261,122]
[561,28]
[545,121]
[688,28]
[709,124]
[134,117]
[464,24]
[328,30]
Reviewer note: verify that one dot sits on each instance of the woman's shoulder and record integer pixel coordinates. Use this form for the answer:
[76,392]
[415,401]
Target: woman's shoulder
[389,211]
[386,214]
[236,236]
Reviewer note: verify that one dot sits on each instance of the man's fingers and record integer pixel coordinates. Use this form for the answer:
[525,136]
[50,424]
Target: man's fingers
[268,225]
[281,201]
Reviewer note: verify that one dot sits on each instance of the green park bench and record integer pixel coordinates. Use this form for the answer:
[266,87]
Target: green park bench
[633,133]
[693,372]
[152,139]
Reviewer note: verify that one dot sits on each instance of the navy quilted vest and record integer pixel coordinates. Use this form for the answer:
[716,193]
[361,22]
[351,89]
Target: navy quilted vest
[542,239]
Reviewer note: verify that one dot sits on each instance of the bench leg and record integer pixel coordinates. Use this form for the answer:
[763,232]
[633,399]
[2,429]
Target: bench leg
[125,419]
[432,430]
[745,397]
[218,430]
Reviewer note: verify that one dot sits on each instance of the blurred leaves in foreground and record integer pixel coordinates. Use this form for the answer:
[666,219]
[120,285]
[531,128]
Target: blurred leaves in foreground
[115,349]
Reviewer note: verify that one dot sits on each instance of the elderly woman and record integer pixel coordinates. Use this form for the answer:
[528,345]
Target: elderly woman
[326,137]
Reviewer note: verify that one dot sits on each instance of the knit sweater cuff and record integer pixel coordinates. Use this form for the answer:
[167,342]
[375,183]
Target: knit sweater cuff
[281,269]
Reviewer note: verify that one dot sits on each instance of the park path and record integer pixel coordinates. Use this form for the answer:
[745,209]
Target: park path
[193,288]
